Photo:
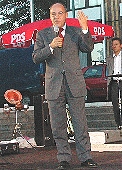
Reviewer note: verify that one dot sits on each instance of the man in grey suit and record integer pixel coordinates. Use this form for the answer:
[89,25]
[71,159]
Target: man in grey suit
[114,65]
[64,82]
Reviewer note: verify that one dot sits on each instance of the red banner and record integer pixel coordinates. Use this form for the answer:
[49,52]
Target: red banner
[22,36]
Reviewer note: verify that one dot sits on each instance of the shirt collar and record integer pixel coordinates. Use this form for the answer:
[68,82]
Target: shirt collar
[117,55]
[64,27]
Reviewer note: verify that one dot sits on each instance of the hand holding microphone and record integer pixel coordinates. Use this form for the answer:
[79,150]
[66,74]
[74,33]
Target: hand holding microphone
[58,40]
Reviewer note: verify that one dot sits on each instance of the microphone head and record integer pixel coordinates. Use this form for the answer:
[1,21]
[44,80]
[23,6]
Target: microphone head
[56,29]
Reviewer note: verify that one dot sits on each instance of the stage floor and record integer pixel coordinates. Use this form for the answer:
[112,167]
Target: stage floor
[44,158]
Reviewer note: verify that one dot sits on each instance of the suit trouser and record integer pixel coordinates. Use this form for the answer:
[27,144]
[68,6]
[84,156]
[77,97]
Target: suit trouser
[115,100]
[57,111]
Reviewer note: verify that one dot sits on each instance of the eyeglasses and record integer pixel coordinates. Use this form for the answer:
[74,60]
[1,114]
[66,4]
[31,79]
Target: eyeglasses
[60,13]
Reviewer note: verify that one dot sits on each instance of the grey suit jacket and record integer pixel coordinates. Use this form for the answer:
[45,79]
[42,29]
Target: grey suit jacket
[65,58]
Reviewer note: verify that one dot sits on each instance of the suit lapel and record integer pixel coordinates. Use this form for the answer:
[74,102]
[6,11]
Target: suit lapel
[50,34]
[68,34]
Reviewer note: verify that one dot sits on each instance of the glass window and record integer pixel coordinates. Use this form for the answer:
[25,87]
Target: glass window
[106,73]
[93,72]
[77,3]
[93,13]
[94,2]
[97,53]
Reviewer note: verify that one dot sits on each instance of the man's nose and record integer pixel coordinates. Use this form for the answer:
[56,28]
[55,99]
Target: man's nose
[56,15]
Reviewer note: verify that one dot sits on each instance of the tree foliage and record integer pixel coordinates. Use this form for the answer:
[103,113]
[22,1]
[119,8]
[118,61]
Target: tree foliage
[15,13]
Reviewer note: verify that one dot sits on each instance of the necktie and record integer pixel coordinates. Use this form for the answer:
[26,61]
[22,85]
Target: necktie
[60,30]
[60,35]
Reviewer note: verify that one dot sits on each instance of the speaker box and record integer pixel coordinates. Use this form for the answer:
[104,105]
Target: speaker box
[43,132]
[9,147]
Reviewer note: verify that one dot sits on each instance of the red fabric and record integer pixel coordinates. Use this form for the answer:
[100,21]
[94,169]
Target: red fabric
[22,36]
[13,96]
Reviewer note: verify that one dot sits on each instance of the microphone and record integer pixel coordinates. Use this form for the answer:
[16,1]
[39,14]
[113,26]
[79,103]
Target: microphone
[58,33]
[56,29]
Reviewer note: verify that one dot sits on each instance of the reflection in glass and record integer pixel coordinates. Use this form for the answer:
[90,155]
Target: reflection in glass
[77,3]
[97,53]
[95,2]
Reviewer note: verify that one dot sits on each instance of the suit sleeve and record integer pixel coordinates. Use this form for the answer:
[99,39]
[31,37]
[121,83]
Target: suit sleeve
[41,49]
[86,43]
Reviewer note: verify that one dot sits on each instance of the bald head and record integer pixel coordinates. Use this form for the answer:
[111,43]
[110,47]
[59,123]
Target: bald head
[56,4]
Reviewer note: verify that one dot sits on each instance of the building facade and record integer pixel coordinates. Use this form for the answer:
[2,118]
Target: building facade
[113,17]
[103,11]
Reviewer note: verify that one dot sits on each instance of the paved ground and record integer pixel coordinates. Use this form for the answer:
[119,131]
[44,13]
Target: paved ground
[45,159]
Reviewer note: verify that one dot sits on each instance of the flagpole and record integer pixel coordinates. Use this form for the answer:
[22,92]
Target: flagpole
[32,10]
[73,8]
[103,22]
[32,14]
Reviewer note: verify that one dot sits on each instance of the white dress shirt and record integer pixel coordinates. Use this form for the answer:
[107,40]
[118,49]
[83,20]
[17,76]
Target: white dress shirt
[117,65]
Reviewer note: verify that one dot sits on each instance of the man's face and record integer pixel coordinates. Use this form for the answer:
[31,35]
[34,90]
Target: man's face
[58,15]
[116,46]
